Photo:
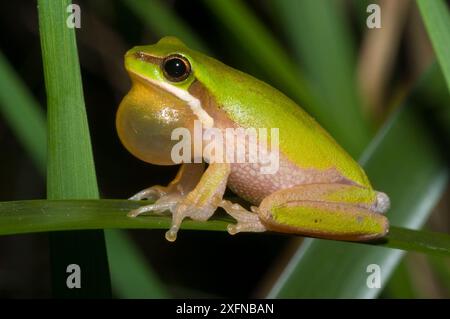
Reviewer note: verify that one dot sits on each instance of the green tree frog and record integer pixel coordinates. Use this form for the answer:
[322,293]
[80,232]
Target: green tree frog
[318,190]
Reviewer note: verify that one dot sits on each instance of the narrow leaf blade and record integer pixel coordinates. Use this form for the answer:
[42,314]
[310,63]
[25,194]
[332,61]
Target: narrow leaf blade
[437,21]
[70,170]
[55,215]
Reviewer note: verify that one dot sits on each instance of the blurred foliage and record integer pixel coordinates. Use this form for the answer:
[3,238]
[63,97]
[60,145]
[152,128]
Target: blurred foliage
[437,20]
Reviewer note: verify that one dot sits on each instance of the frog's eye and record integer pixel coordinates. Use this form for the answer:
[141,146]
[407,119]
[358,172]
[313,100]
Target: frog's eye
[176,68]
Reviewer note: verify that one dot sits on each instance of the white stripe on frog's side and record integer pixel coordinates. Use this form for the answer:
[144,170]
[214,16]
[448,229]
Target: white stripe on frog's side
[192,101]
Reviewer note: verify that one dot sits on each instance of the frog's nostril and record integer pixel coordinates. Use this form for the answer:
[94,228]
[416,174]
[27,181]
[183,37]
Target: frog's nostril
[139,55]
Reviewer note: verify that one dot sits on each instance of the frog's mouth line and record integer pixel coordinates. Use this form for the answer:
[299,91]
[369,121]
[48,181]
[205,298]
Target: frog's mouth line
[192,101]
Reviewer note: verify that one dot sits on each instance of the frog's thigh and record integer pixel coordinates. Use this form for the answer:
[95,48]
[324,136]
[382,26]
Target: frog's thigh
[334,211]
[201,202]
[334,193]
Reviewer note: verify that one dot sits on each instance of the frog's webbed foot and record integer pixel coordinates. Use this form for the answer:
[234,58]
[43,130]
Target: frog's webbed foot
[164,205]
[166,200]
[194,209]
[153,192]
[246,221]
[167,197]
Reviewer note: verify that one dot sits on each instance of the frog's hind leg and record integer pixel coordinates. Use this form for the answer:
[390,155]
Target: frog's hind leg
[168,196]
[246,221]
[334,211]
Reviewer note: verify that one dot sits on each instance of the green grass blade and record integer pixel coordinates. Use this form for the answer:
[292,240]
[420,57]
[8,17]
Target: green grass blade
[70,166]
[404,161]
[23,114]
[71,171]
[54,215]
[400,285]
[436,17]
[441,267]
[323,44]
[164,22]
[131,277]
[422,241]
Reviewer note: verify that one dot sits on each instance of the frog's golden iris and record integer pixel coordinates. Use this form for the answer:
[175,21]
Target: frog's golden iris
[176,68]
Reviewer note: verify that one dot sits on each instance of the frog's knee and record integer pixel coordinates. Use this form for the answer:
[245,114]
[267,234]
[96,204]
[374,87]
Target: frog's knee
[382,204]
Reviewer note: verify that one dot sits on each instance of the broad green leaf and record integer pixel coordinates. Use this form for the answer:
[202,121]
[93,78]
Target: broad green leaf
[55,215]
[70,164]
[406,162]
[437,21]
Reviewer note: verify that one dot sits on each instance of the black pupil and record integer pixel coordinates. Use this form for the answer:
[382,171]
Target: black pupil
[175,68]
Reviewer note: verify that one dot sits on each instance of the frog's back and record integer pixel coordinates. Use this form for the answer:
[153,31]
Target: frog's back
[302,140]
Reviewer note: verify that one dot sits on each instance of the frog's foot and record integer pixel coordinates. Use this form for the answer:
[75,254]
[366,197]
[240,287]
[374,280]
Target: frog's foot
[153,192]
[164,205]
[196,211]
[382,203]
[246,221]
[167,197]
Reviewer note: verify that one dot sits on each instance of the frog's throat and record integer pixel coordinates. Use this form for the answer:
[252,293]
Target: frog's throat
[194,103]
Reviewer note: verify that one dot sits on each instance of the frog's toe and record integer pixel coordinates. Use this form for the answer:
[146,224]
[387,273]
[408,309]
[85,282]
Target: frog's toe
[153,192]
[246,221]
[254,227]
[165,205]
[171,234]
[232,229]
[156,209]
[382,203]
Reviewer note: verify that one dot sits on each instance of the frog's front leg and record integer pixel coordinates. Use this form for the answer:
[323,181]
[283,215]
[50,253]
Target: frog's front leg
[334,211]
[167,197]
[202,202]
[193,193]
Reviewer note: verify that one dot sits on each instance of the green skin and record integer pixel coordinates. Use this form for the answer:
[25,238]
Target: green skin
[347,208]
